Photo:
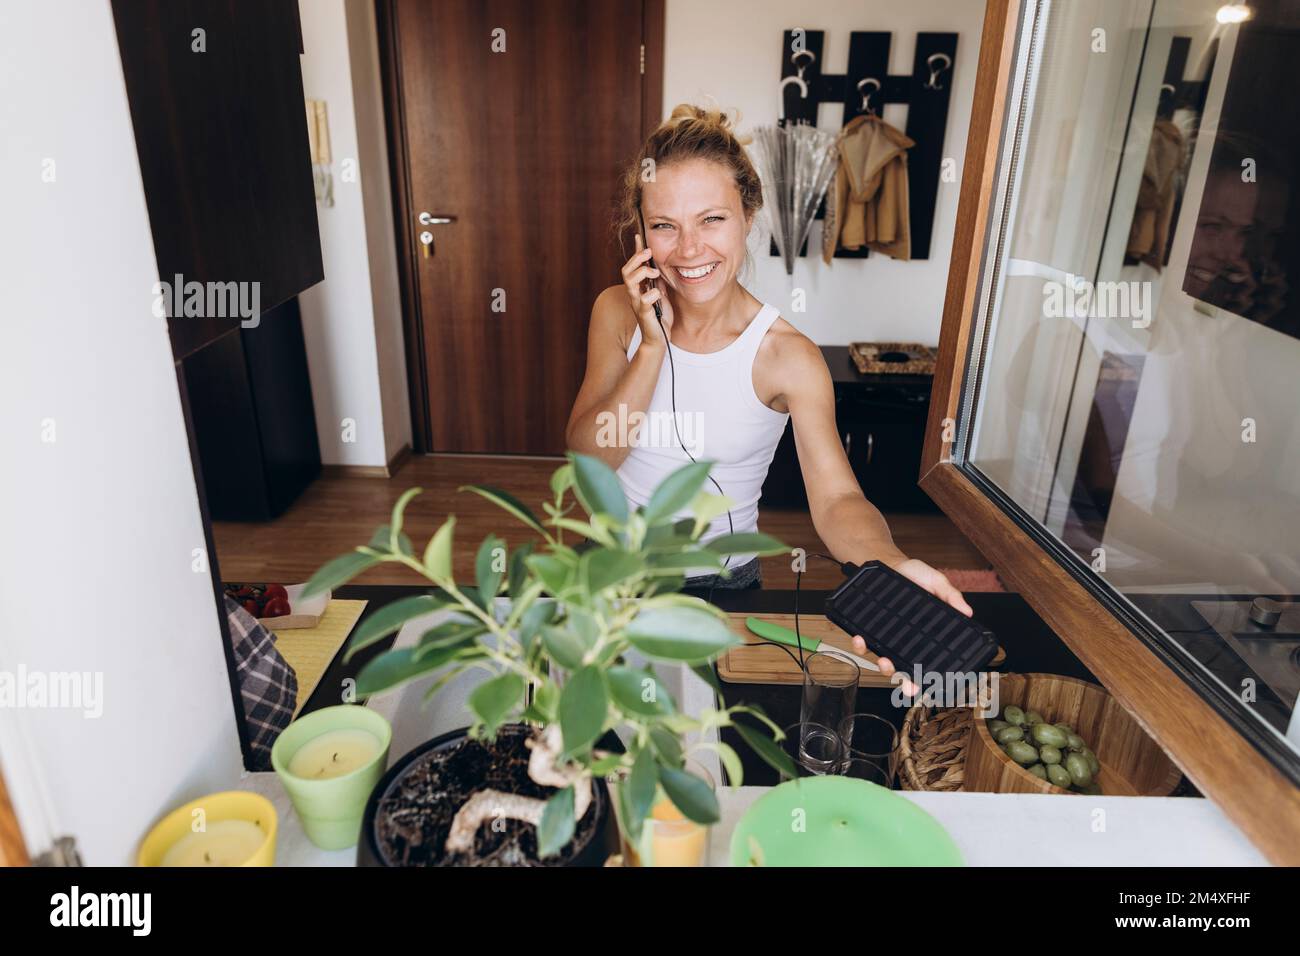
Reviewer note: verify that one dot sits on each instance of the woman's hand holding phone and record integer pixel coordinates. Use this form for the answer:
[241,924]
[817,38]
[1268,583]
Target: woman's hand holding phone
[639,275]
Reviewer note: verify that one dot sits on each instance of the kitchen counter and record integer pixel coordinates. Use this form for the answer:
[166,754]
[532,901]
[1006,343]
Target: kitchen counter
[989,829]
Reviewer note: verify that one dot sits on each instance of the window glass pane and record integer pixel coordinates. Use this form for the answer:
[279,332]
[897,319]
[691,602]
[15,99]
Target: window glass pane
[1135,386]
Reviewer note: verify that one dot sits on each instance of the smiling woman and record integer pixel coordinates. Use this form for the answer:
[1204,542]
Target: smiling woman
[701,352]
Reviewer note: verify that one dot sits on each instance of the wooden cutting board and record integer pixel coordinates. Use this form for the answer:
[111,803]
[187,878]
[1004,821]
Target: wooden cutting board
[762,662]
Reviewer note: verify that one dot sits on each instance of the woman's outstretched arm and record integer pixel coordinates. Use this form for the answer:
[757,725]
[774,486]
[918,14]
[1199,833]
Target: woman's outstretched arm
[851,527]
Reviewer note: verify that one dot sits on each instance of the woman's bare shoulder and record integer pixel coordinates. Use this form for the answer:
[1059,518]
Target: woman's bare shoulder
[786,347]
[612,315]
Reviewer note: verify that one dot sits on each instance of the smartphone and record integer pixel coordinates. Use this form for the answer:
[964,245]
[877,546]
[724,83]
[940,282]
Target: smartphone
[907,624]
[653,283]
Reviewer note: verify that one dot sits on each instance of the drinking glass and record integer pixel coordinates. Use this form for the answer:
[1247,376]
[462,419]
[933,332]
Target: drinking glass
[830,690]
[872,739]
[815,749]
[866,770]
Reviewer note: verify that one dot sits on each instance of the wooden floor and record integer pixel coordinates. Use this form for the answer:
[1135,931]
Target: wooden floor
[335,515]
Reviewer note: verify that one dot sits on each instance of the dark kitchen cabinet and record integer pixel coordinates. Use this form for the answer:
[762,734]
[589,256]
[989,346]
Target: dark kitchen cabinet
[881,421]
[216,98]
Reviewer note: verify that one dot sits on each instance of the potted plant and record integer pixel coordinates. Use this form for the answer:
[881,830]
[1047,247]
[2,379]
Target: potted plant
[539,748]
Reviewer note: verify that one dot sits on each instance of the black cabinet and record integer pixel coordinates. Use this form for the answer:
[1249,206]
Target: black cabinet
[252,418]
[881,422]
[216,98]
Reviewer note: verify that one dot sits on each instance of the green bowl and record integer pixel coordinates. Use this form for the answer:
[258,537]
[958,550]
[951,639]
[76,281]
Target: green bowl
[839,821]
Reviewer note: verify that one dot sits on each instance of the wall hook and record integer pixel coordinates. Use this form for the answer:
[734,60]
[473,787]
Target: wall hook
[935,71]
[866,97]
[797,79]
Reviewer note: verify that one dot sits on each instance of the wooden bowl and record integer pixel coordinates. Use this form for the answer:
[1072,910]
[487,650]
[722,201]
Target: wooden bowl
[1132,764]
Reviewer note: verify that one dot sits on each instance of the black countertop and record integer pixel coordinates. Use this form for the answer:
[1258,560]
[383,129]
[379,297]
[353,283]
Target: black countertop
[1030,646]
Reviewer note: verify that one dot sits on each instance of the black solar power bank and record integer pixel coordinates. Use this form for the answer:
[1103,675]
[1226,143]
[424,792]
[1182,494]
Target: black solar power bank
[907,624]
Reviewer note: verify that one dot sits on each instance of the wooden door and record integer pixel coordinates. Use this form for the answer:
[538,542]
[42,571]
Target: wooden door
[511,118]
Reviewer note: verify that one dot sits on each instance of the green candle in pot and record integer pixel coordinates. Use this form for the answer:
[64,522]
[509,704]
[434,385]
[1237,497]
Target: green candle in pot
[329,761]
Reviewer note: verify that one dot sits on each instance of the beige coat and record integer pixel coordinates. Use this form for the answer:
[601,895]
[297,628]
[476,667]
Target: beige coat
[868,204]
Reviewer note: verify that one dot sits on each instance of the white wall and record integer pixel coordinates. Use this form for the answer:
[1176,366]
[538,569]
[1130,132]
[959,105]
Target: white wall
[99,524]
[730,51]
[352,321]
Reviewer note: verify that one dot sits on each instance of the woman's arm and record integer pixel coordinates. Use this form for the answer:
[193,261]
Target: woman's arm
[852,528]
[611,380]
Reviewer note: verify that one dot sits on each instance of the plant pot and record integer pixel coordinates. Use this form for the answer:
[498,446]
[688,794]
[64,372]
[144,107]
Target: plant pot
[1132,764]
[595,838]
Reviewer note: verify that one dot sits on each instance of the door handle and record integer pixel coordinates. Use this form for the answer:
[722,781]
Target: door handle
[426,237]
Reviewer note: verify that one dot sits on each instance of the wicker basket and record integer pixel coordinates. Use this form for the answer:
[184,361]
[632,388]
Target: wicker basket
[932,747]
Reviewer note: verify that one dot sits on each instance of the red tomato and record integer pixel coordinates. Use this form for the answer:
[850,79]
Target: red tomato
[276,607]
[251,607]
[276,591]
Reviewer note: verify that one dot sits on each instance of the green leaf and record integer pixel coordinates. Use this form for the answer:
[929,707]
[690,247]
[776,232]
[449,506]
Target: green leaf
[583,708]
[390,618]
[562,480]
[676,535]
[598,487]
[518,575]
[399,510]
[641,784]
[680,634]
[486,573]
[384,540]
[768,749]
[437,556]
[706,507]
[668,745]
[546,699]
[339,571]
[393,668]
[746,542]
[494,699]
[582,623]
[475,597]
[554,574]
[706,673]
[557,825]
[452,633]
[691,795]
[730,762]
[676,491]
[602,568]
[563,646]
[631,686]
[538,613]
[686,561]
[508,502]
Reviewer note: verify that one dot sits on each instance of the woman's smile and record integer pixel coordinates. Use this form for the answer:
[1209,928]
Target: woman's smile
[696,274]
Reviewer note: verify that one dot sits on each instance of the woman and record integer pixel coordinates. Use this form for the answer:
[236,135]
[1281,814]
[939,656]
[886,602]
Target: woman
[736,370]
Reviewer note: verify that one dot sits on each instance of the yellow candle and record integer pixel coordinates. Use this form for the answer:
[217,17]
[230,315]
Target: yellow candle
[333,754]
[674,840]
[222,843]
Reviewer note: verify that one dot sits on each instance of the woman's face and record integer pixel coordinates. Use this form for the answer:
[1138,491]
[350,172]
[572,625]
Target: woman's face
[696,228]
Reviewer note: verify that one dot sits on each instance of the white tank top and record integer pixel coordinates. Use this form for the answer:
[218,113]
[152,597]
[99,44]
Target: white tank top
[720,418]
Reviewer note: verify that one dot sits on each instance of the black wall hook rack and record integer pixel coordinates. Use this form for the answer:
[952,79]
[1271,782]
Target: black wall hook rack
[926,90]
[1177,93]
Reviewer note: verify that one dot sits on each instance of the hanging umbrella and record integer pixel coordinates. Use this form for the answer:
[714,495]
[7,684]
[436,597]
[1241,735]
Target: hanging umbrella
[796,163]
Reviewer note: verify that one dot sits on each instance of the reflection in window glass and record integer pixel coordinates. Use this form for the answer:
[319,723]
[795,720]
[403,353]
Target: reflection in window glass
[1138,345]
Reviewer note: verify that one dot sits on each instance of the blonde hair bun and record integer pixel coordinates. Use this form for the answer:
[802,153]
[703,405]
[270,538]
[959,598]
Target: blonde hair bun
[712,117]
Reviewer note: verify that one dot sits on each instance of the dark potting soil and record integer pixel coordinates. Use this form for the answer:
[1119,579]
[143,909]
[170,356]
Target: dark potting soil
[413,819]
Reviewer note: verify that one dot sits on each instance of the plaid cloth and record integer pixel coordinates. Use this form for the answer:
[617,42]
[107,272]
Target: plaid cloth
[267,683]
